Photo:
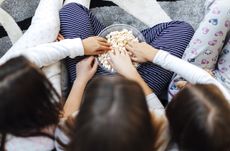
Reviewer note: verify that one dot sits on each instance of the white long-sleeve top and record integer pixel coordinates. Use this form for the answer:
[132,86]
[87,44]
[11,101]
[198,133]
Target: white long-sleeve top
[46,54]
[189,72]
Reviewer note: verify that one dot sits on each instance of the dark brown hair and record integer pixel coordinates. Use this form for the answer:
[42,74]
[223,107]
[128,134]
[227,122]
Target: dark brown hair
[28,102]
[113,117]
[199,119]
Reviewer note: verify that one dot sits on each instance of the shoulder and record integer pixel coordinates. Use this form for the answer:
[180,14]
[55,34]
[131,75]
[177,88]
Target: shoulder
[63,131]
[39,143]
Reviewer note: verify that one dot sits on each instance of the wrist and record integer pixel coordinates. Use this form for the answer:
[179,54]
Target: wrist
[135,76]
[80,82]
[150,55]
[147,90]
[84,47]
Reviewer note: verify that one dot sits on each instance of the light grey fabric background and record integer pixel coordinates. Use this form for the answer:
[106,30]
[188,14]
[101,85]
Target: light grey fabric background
[191,11]
[19,10]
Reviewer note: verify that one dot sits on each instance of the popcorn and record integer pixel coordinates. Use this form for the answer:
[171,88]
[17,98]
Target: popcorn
[118,40]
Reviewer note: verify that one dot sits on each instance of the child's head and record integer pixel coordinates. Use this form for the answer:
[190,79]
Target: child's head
[199,119]
[114,116]
[28,102]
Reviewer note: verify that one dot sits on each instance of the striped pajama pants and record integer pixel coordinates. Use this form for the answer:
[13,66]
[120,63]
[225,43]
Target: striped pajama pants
[173,37]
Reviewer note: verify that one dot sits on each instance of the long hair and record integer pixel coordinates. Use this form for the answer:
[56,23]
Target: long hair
[114,116]
[28,102]
[199,119]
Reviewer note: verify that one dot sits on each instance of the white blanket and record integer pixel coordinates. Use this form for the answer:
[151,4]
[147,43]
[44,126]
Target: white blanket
[144,10]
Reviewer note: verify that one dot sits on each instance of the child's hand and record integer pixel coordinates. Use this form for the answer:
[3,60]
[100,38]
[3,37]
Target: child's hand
[181,84]
[95,45]
[60,37]
[210,72]
[122,63]
[141,52]
[86,69]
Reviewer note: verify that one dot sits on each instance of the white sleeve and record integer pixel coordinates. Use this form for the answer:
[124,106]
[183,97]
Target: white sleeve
[154,104]
[60,135]
[189,72]
[44,27]
[46,54]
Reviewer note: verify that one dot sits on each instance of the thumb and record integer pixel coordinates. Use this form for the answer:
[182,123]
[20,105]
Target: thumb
[111,63]
[129,49]
[90,60]
[112,58]
[134,59]
[95,65]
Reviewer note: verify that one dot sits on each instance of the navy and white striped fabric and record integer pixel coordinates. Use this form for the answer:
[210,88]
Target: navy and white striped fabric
[78,21]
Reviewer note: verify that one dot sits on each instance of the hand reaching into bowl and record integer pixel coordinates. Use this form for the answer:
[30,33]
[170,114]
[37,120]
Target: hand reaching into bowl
[95,45]
[92,45]
[141,52]
[86,69]
[121,62]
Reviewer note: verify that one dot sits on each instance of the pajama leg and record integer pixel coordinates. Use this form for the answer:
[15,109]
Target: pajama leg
[172,37]
[208,40]
[222,73]
[78,22]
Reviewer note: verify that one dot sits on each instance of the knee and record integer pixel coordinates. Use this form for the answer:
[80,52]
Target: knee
[185,29]
[71,9]
[185,26]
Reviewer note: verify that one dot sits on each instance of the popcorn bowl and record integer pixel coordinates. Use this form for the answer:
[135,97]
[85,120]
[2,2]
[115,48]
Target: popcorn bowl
[118,28]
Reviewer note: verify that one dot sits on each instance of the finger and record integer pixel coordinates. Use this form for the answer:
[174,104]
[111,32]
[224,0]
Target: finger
[90,59]
[134,59]
[123,52]
[105,44]
[105,48]
[116,52]
[100,52]
[95,65]
[58,39]
[130,53]
[87,60]
[60,35]
[101,39]
[129,48]
[111,55]
[111,63]
[181,84]
[132,43]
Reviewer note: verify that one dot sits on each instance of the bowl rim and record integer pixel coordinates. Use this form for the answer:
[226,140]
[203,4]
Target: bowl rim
[125,25]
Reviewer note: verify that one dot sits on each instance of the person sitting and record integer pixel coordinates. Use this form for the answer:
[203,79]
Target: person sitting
[108,100]
[209,48]
[171,36]
[198,114]
[30,107]
[114,116]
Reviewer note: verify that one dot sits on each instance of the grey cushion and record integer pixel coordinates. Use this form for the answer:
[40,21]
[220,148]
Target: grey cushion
[20,10]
